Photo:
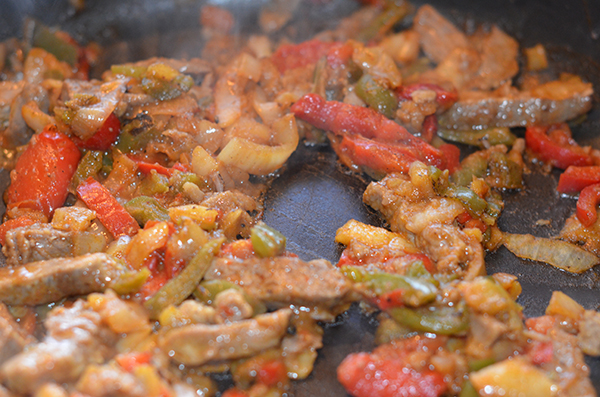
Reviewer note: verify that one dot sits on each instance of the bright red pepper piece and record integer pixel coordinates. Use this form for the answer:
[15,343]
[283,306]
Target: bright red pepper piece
[43,172]
[589,198]
[574,179]
[554,145]
[104,138]
[365,129]
[541,353]
[112,214]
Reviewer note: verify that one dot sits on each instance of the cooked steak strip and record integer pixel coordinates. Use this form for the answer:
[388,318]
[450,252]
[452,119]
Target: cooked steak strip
[281,281]
[75,339]
[49,281]
[481,110]
[12,338]
[37,242]
[198,344]
[438,36]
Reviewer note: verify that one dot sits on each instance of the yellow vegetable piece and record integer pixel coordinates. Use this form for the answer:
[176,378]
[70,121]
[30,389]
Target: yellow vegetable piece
[146,242]
[205,217]
[75,219]
[372,236]
[512,378]
[562,304]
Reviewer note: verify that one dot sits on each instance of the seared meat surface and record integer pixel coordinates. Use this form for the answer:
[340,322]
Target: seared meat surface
[51,280]
[281,281]
[36,243]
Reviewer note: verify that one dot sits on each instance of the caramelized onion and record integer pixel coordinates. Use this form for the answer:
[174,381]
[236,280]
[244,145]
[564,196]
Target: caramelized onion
[260,159]
[557,253]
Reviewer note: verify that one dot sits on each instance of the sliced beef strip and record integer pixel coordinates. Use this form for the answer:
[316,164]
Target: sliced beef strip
[75,339]
[36,243]
[438,36]
[198,344]
[481,110]
[12,337]
[282,281]
[49,281]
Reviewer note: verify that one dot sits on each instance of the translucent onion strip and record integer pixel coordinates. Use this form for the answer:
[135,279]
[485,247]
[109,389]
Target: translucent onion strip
[259,159]
[557,253]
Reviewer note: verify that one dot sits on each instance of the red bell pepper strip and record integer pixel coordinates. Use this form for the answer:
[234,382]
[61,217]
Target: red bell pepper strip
[43,172]
[355,151]
[292,56]
[344,119]
[145,167]
[363,375]
[554,145]
[104,138]
[574,179]
[443,97]
[541,352]
[452,155]
[586,205]
[112,214]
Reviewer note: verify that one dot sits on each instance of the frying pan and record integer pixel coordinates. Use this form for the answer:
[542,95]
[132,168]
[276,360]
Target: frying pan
[314,195]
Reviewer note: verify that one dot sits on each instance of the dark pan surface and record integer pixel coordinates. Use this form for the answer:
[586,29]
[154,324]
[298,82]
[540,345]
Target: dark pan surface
[315,195]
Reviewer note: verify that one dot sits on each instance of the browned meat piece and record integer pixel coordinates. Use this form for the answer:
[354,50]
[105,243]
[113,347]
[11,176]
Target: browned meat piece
[567,367]
[589,333]
[197,344]
[282,281]
[75,339]
[453,250]
[439,36]
[499,63]
[12,337]
[230,201]
[109,381]
[49,281]
[553,102]
[36,243]
[17,133]
[587,238]
[429,220]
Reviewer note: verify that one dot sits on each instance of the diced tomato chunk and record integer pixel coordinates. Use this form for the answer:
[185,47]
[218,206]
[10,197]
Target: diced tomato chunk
[104,138]
[365,376]
[587,204]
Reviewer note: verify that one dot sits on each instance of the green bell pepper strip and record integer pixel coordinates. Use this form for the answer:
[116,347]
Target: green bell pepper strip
[89,165]
[443,320]
[376,96]
[503,172]
[392,14]
[416,291]
[473,165]
[491,137]
[266,241]
[47,40]
[177,289]
[144,209]
[208,290]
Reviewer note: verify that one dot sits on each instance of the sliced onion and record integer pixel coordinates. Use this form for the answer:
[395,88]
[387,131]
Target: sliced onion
[34,117]
[259,159]
[230,88]
[203,164]
[89,119]
[557,253]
